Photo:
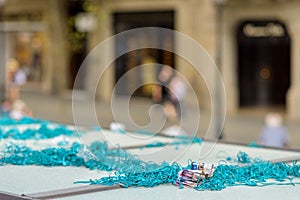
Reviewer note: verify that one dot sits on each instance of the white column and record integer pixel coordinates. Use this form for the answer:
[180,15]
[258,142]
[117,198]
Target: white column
[229,56]
[57,60]
[2,65]
[293,97]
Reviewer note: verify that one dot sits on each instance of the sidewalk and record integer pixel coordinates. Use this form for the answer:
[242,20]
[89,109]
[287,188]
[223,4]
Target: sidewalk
[241,128]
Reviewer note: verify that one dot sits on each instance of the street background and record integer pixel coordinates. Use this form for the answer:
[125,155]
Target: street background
[243,128]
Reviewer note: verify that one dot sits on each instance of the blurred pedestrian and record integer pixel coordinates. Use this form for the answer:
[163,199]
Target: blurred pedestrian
[5,108]
[170,92]
[274,133]
[15,77]
[177,93]
[20,110]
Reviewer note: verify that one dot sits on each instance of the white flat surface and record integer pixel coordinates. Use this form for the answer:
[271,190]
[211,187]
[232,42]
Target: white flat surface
[34,179]
[127,139]
[170,192]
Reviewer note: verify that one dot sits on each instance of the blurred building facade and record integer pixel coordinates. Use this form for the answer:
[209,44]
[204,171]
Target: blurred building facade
[260,45]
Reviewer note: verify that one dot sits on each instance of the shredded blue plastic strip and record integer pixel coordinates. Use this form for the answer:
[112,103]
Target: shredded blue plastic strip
[22,155]
[45,131]
[254,145]
[252,172]
[178,141]
[131,171]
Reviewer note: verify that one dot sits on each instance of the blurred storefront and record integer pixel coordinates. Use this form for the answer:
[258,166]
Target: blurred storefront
[259,52]
[33,35]
[261,66]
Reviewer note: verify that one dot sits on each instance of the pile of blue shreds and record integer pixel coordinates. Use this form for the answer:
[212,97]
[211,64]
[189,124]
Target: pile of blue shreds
[75,156]
[129,170]
[251,172]
[44,131]
[22,155]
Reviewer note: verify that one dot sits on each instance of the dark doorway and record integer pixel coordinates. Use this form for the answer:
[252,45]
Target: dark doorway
[129,20]
[263,63]
[77,44]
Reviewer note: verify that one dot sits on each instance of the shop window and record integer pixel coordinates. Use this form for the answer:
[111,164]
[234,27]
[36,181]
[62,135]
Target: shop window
[128,20]
[28,51]
[263,62]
